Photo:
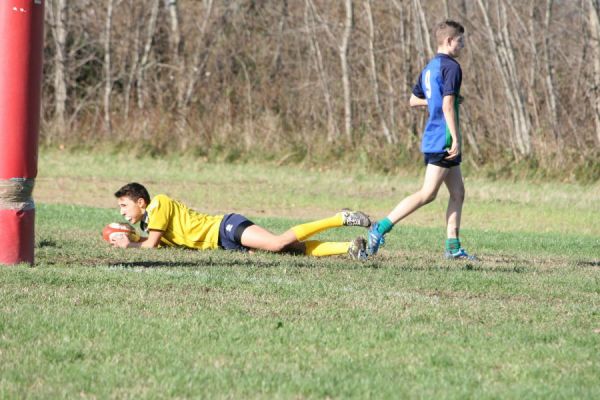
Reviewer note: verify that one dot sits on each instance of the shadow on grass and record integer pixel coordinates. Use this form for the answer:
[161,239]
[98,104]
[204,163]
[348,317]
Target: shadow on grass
[410,262]
[47,243]
[458,266]
[154,264]
[251,262]
[595,263]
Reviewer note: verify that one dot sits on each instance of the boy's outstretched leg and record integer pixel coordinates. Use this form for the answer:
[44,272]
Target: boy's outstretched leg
[257,237]
[434,176]
[344,218]
[356,249]
[454,183]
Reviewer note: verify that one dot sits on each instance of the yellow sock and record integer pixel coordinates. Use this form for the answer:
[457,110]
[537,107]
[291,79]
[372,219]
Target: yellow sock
[317,248]
[305,231]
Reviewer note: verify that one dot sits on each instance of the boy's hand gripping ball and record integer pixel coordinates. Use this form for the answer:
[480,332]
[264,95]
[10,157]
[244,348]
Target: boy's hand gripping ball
[116,229]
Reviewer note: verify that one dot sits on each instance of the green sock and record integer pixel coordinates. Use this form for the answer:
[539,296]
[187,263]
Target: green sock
[384,226]
[452,244]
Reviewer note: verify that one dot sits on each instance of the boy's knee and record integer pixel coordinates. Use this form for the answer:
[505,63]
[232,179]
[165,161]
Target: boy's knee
[278,246]
[428,197]
[458,195]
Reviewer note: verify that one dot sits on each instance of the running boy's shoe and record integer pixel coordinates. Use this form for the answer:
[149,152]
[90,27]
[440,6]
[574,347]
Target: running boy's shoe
[358,249]
[375,239]
[355,218]
[459,254]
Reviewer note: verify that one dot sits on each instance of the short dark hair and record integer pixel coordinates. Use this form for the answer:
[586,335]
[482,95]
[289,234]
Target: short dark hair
[134,191]
[448,28]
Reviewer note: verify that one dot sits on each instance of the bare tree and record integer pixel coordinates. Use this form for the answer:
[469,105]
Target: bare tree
[59,19]
[175,39]
[422,32]
[108,81]
[138,21]
[407,41]
[176,47]
[201,53]
[549,67]
[144,59]
[310,17]
[297,68]
[188,59]
[505,62]
[595,48]
[343,48]
[348,23]
[280,40]
[374,82]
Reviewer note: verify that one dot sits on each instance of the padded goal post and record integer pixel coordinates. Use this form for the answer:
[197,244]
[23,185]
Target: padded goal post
[21,49]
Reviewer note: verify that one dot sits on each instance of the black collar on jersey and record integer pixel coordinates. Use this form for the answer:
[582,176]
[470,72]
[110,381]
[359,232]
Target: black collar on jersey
[144,222]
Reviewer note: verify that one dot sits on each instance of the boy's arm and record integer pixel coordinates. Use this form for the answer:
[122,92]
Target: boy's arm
[151,241]
[415,101]
[450,116]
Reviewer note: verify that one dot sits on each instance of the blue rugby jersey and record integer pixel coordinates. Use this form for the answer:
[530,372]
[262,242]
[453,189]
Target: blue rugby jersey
[441,77]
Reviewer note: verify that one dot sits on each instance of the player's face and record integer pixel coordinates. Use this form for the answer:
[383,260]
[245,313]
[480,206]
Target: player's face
[130,209]
[456,44]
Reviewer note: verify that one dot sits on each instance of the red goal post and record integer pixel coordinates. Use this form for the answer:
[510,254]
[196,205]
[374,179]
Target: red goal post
[21,49]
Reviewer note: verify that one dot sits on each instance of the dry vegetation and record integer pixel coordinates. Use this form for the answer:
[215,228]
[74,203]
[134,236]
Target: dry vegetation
[290,76]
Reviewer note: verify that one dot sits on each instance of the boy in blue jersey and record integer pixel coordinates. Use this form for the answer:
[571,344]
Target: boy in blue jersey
[438,89]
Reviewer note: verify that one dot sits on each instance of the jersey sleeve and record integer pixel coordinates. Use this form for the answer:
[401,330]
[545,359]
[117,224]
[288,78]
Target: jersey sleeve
[451,79]
[418,89]
[160,213]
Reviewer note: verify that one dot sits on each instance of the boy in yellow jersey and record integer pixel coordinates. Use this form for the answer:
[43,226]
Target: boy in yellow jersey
[169,222]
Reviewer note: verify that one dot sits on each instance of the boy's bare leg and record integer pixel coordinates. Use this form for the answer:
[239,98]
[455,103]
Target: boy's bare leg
[257,237]
[434,176]
[456,188]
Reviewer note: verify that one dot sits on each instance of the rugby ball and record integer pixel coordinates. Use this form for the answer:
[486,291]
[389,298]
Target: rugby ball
[116,229]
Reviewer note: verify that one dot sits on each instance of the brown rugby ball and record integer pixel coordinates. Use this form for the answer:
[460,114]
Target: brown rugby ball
[114,229]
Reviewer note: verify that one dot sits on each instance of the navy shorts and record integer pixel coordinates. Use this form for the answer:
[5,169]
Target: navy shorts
[439,159]
[230,231]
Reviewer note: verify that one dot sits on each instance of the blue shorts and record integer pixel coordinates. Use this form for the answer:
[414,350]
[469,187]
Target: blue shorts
[230,231]
[439,159]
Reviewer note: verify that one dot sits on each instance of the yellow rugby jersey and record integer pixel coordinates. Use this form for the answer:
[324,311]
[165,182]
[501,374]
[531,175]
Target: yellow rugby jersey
[182,226]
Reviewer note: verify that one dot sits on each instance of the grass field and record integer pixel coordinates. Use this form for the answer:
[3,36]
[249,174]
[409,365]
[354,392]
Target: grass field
[90,321]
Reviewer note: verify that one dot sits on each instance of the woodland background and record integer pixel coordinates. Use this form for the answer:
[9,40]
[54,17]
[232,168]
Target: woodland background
[323,82]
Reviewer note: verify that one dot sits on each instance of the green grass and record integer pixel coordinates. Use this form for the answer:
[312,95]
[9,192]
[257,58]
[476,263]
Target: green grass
[90,321]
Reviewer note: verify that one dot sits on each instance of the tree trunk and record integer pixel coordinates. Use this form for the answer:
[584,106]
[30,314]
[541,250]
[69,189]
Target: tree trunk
[143,65]
[346,69]
[277,59]
[422,32]
[332,127]
[505,61]
[192,75]
[59,17]
[178,64]
[552,108]
[595,50]
[139,21]
[374,83]
[107,67]
[534,68]
[176,49]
